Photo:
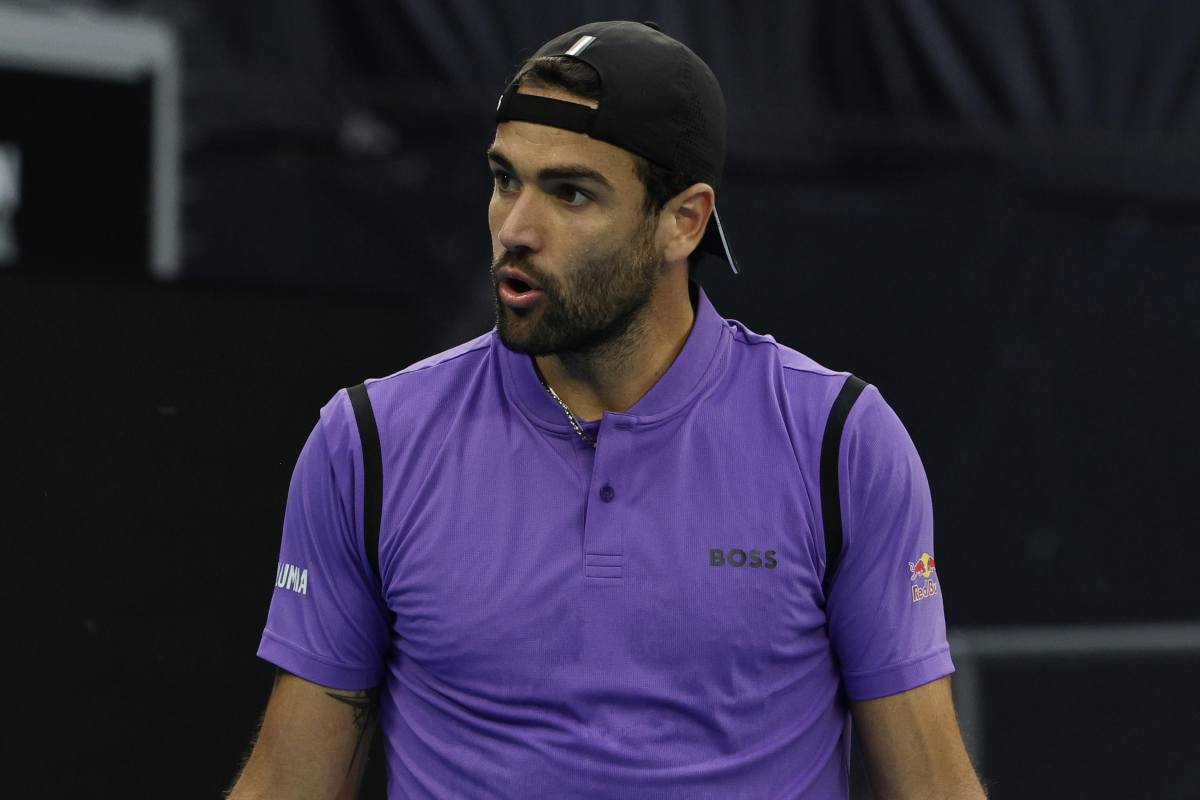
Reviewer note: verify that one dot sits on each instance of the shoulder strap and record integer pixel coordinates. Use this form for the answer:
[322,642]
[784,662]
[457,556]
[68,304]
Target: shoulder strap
[831,503]
[368,435]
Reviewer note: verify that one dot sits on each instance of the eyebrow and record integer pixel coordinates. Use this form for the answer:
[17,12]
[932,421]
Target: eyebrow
[563,172]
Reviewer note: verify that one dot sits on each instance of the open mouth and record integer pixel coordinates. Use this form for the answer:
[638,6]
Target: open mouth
[517,286]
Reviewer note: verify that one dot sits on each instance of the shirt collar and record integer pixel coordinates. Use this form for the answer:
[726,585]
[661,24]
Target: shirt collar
[670,394]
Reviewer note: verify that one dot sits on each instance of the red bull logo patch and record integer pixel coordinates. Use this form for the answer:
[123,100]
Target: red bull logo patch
[923,569]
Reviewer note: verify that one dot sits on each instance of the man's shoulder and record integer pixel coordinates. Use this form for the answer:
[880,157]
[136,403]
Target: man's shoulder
[425,383]
[812,389]
[439,367]
[802,376]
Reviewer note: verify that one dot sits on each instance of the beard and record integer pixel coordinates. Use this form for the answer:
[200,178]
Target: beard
[597,301]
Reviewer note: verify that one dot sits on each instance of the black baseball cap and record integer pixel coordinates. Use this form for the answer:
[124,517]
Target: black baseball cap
[658,99]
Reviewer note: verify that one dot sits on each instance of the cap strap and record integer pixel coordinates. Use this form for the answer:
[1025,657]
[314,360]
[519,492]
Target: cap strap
[545,111]
[725,243]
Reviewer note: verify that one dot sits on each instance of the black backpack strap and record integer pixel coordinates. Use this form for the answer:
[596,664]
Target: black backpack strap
[831,502]
[368,436]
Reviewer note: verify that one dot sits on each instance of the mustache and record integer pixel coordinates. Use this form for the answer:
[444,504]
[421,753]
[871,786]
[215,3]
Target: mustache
[511,258]
[519,261]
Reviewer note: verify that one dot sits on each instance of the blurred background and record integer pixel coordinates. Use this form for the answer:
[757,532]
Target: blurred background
[214,214]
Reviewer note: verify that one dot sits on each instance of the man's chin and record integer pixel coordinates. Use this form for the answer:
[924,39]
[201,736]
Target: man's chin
[517,345]
[519,333]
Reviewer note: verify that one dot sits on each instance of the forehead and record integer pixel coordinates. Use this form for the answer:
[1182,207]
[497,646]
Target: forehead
[531,146]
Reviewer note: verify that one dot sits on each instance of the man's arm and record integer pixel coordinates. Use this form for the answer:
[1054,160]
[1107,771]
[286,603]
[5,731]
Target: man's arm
[312,744]
[913,746]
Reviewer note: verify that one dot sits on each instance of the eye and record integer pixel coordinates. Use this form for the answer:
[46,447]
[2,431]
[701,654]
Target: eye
[572,196]
[504,181]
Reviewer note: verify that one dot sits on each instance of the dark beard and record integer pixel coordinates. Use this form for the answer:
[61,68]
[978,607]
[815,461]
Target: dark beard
[597,304]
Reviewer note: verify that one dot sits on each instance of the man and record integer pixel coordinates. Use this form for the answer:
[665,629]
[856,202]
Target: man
[601,567]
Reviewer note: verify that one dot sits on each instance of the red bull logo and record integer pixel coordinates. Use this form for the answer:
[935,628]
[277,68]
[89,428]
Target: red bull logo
[923,567]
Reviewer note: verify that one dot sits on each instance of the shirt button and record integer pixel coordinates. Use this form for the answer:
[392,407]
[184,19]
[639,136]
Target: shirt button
[607,493]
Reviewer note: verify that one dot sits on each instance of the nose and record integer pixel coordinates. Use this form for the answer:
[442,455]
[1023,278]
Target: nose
[521,224]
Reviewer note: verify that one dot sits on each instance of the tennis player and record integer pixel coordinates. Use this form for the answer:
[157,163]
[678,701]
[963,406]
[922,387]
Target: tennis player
[618,546]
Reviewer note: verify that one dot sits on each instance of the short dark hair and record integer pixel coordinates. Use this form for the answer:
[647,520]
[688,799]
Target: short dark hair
[581,79]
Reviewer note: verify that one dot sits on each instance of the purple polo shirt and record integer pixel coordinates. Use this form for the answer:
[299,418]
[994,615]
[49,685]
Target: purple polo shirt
[640,620]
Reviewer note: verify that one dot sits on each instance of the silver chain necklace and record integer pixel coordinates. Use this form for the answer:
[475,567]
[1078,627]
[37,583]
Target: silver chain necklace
[570,417]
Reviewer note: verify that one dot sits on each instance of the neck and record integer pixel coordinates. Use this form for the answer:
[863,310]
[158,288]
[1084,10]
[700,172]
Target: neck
[615,375]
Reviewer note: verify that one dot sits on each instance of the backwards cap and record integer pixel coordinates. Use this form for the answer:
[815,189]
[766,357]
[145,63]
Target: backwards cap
[657,99]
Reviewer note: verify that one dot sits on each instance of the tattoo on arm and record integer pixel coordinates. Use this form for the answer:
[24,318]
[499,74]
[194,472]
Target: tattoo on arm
[366,710]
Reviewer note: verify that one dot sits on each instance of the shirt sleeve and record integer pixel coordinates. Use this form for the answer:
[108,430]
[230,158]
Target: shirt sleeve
[886,618]
[327,623]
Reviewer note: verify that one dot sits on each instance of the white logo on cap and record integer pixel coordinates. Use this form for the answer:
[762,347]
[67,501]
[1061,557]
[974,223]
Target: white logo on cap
[580,45]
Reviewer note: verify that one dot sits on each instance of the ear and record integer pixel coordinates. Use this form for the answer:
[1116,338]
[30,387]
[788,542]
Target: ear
[684,218]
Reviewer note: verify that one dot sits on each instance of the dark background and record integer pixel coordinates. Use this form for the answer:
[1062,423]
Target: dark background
[989,210]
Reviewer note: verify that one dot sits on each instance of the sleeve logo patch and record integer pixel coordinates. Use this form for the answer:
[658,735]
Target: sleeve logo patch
[289,576]
[923,568]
